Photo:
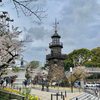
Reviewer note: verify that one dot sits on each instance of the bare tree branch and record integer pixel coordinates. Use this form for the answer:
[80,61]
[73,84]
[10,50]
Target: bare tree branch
[23,5]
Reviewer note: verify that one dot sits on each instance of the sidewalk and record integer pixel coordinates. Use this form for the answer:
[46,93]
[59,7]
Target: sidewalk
[44,95]
[47,95]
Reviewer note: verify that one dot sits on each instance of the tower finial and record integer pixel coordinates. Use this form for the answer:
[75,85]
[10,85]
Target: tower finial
[56,25]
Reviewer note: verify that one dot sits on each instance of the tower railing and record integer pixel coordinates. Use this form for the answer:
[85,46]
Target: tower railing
[58,56]
[57,43]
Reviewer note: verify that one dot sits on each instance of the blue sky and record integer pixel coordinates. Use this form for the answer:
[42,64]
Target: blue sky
[79,26]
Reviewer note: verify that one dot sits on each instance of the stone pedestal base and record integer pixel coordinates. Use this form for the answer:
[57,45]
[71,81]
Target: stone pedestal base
[21,76]
[18,81]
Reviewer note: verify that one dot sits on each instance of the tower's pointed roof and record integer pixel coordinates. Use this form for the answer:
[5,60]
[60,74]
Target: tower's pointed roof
[55,34]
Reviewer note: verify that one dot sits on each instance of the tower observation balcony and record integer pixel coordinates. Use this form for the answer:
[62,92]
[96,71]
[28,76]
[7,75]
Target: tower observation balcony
[56,56]
[57,44]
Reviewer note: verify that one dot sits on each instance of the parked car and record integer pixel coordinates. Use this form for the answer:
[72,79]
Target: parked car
[94,84]
[89,84]
[98,84]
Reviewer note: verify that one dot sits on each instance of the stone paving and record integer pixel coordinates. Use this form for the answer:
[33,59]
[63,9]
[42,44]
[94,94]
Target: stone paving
[47,95]
[44,95]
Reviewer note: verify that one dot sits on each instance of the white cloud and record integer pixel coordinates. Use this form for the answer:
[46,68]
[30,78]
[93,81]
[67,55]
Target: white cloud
[79,26]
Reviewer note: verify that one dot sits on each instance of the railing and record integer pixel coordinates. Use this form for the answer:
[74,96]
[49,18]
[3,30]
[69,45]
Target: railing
[59,56]
[92,69]
[57,94]
[8,96]
[53,44]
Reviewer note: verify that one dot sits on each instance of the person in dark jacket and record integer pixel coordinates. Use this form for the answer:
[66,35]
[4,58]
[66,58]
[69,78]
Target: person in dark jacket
[6,82]
[42,86]
[62,84]
[2,82]
[25,83]
[11,82]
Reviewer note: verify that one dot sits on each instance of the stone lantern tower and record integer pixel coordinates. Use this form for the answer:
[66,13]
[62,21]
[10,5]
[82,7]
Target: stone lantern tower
[55,58]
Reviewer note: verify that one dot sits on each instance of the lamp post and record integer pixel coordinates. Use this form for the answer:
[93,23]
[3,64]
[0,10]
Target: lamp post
[71,80]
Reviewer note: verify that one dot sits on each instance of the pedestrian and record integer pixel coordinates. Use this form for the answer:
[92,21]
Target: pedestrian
[25,83]
[4,83]
[42,86]
[11,82]
[62,84]
[47,85]
[34,82]
[96,92]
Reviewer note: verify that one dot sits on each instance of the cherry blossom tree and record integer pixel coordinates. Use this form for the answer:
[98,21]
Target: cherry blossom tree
[11,47]
[78,73]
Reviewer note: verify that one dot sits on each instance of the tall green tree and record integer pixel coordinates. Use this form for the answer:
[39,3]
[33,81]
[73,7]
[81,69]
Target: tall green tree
[34,64]
[94,58]
[68,62]
[77,57]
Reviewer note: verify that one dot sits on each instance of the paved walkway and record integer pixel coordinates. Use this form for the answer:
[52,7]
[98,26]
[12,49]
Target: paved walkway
[47,95]
[44,95]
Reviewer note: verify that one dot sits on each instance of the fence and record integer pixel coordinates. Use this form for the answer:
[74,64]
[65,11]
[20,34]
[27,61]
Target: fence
[57,94]
[8,96]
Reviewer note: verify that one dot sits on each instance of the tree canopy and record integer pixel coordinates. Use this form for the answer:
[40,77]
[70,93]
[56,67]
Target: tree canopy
[83,57]
[10,47]
[79,73]
[77,57]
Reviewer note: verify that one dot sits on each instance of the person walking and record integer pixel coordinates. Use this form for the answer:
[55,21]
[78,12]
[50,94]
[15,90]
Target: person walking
[11,82]
[96,92]
[4,83]
[47,85]
[42,86]
[25,83]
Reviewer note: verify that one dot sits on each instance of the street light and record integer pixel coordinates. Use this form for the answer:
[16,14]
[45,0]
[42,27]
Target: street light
[71,80]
